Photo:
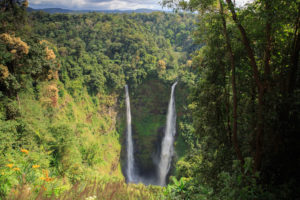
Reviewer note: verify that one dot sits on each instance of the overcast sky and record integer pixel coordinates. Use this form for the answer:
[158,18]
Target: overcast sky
[102,4]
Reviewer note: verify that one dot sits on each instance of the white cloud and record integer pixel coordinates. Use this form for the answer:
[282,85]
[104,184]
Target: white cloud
[242,2]
[96,4]
[104,4]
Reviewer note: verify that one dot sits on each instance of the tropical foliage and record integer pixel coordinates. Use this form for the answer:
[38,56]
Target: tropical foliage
[61,77]
[245,104]
[61,93]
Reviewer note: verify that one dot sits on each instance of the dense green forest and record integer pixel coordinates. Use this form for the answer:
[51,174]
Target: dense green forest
[62,110]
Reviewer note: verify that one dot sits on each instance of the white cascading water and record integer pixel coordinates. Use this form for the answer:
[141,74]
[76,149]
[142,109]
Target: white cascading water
[167,148]
[130,156]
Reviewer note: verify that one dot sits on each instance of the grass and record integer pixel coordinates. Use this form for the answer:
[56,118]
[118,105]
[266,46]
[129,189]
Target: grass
[104,190]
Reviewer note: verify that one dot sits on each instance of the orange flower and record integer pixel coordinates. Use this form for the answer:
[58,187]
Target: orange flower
[35,166]
[25,151]
[10,165]
[45,172]
[16,169]
[46,178]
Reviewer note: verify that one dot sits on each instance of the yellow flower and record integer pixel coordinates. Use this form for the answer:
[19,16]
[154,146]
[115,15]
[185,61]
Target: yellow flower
[35,166]
[25,151]
[10,165]
[13,51]
[42,178]
[2,173]
[16,169]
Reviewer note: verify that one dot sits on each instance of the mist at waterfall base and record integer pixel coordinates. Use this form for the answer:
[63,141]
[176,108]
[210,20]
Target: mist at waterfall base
[163,163]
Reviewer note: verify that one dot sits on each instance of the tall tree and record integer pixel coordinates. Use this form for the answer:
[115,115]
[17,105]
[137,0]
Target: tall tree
[233,83]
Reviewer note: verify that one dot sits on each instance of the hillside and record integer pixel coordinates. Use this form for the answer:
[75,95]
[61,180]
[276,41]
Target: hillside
[66,105]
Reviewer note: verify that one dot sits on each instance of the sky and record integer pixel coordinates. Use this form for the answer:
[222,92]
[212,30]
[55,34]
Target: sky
[103,4]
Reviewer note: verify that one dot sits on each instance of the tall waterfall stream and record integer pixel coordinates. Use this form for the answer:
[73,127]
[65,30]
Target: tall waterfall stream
[130,156]
[167,148]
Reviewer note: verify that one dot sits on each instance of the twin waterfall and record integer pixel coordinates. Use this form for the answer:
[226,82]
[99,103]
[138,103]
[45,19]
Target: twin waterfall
[167,148]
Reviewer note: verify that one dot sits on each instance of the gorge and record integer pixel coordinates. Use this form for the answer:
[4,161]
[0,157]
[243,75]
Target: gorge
[166,148]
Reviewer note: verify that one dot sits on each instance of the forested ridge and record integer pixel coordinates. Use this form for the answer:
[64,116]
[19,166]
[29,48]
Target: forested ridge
[62,121]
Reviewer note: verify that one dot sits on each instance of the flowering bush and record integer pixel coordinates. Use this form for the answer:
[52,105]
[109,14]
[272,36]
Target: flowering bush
[23,172]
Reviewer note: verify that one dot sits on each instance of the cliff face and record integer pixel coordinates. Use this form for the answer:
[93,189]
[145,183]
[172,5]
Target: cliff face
[149,104]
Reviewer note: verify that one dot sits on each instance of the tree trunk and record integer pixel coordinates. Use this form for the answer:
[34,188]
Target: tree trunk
[267,56]
[233,83]
[259,85]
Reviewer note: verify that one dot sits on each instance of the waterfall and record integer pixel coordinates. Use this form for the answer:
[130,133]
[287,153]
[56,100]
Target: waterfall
[130,157]
[167,142]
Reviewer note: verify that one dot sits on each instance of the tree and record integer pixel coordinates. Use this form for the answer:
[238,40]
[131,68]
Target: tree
[13,14]
[260,39]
